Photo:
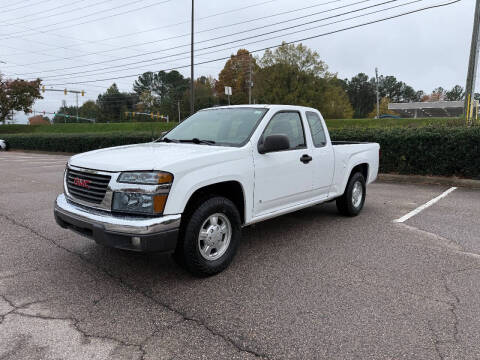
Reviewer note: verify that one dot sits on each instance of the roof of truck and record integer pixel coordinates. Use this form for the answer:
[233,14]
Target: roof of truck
[267,106]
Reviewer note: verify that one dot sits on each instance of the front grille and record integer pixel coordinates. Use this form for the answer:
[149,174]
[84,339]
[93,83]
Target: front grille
[93,189]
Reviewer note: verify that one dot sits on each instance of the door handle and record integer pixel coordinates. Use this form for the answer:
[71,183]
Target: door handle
[306,158]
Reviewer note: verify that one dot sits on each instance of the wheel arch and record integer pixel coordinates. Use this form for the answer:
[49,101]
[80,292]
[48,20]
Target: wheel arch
[362,168]
[232,190]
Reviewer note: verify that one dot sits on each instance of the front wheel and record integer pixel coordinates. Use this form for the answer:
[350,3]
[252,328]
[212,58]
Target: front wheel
[210,237]
[353,199]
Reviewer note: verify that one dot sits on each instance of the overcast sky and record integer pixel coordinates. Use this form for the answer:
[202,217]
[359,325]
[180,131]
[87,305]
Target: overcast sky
[68,42]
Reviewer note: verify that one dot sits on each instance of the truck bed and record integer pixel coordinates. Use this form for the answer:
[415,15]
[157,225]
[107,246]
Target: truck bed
[349,142]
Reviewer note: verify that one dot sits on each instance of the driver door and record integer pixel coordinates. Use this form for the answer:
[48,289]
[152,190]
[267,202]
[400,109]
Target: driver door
[282,179]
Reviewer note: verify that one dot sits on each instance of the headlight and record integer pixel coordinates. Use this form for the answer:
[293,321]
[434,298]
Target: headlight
[145,177]
[131,202]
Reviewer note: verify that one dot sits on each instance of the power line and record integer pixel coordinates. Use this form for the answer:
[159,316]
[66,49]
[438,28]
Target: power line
[285,43]
[102,42]
[188,21]
[9,36]
[122,67]
[22,7]
[186,34]
[37,14]
[218,37]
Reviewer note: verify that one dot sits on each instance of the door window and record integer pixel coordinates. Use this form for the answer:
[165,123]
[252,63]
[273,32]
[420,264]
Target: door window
[316,128]
[289,124]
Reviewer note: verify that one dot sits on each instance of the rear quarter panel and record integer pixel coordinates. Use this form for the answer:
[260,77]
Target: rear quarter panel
[349,156]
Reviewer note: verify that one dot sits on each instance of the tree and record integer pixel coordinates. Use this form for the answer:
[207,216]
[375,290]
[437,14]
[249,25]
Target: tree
[236,74]
[89,110]
[160,92]
[113,104]
[65,114]
[361,93]
[204,96]
[438,94]
[335,103]
[299,57]
[168,87]
[17,95]
[456,94]
[296,75]
[419,95]
[383,108]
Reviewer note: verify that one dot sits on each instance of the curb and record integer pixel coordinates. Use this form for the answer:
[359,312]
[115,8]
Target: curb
[437,180]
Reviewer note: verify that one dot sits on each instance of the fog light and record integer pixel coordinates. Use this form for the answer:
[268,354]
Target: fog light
[136,241]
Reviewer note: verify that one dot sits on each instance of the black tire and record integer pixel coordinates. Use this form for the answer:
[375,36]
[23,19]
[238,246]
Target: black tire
[345,203]
[188,252]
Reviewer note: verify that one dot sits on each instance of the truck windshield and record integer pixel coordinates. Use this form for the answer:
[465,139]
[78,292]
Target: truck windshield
[223,126]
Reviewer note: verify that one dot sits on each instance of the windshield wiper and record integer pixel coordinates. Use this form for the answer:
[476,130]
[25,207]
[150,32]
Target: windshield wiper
[167,140]
[198,141]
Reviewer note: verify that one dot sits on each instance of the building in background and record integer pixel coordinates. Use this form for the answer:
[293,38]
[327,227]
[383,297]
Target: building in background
[38,120]
[428,109]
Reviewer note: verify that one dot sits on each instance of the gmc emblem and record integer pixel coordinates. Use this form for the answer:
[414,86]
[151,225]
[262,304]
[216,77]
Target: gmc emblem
[81,182]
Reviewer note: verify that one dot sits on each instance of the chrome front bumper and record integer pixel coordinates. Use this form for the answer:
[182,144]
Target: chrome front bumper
[126,232]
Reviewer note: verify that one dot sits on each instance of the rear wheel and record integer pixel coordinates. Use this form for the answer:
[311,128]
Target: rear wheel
[353,199]
[209,237]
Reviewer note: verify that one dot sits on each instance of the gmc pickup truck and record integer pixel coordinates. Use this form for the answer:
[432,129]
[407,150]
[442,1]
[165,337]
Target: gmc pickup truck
[192,191]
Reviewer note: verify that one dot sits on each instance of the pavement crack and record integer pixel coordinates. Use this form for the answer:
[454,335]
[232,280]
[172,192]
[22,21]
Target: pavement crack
[436,341]
[239,347]
[452,309]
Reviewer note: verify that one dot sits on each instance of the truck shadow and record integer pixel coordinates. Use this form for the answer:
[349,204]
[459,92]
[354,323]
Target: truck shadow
[259,238]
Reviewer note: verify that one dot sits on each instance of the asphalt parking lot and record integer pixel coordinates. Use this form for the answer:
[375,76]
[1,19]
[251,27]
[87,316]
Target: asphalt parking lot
[309,285]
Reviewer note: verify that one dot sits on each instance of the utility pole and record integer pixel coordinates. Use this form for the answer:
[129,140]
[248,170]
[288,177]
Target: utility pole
[378,96]
[472,66]
[76,96]
[192,87]
[250,83]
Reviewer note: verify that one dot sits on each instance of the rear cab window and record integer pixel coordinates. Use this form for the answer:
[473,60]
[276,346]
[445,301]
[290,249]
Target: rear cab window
[316,128]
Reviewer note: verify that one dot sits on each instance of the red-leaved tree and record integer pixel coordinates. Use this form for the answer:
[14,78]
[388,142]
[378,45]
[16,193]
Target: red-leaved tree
[17,95]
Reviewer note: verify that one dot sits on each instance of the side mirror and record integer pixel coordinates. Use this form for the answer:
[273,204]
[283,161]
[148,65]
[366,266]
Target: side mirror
[275,142]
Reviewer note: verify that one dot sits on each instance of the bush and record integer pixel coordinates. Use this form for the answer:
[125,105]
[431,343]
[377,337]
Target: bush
[423,151]
[79,128]
[73,143]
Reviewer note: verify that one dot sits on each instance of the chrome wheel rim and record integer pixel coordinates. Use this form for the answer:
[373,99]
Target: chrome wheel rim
[214,236]
[357,194]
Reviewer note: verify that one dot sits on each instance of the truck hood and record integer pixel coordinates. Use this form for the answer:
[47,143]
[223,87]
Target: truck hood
[151,156]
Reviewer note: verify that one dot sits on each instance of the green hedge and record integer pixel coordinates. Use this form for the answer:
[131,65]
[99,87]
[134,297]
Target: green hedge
[72,143]
[77,128]
[423,151]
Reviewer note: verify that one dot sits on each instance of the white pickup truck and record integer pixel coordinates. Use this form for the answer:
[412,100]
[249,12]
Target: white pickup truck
[221,169]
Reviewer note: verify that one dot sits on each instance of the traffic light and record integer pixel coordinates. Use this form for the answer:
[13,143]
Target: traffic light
[65,91]
[83,92]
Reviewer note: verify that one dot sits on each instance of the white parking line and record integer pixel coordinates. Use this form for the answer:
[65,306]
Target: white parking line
[424,206]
